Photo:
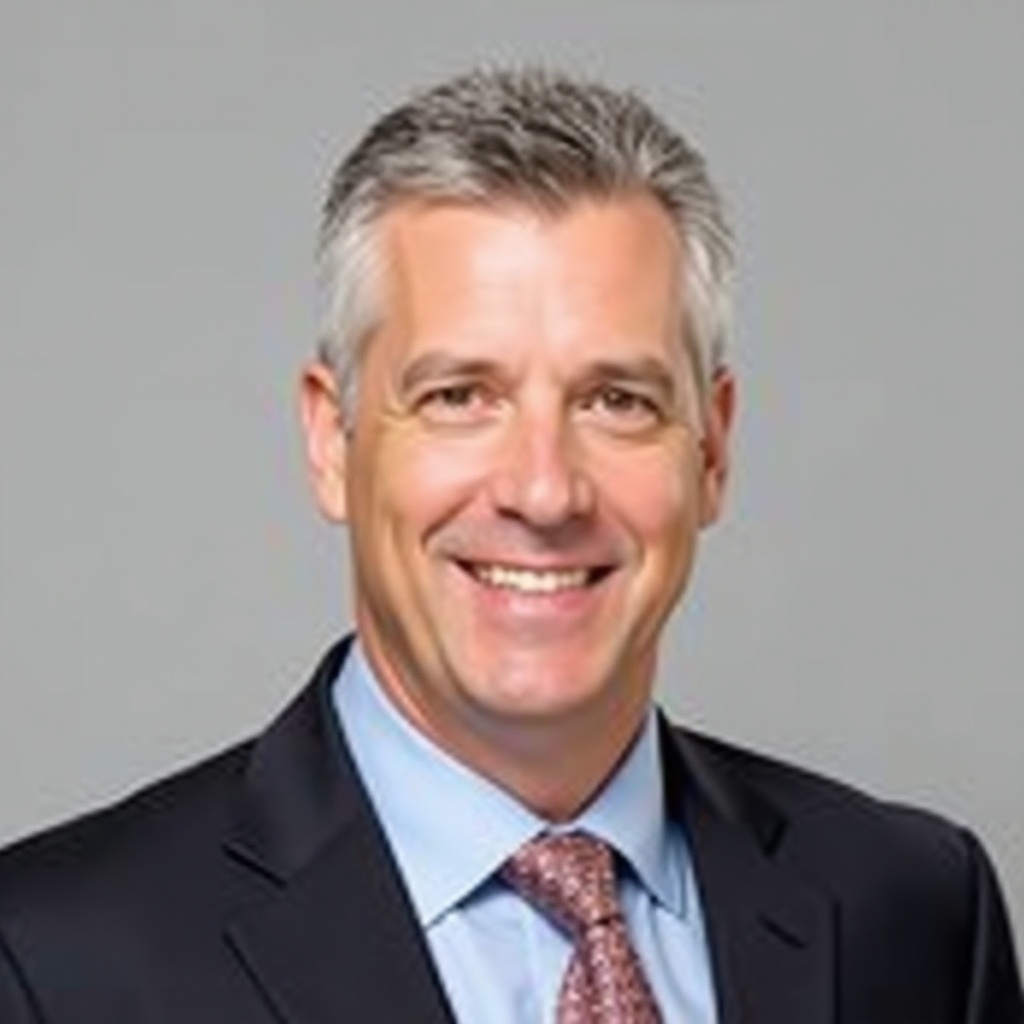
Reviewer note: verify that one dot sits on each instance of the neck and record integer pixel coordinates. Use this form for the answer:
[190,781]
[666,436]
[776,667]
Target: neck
[554,769]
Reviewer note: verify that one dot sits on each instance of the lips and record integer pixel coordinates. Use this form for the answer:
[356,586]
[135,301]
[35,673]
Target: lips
[530,580]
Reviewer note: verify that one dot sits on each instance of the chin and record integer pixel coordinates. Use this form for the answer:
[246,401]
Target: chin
[536,689]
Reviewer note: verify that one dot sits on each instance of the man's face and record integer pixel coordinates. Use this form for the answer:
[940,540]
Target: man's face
[528,467]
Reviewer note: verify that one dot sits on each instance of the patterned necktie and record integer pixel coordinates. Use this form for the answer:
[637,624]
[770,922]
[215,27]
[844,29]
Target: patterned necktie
[571,879]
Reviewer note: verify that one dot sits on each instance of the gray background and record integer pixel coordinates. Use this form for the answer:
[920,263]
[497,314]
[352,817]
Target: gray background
[164,583]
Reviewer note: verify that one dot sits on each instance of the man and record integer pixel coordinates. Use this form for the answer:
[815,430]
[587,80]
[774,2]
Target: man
[521,409]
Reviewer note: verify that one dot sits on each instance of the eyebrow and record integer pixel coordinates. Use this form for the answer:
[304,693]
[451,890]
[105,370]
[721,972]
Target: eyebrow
[435,365]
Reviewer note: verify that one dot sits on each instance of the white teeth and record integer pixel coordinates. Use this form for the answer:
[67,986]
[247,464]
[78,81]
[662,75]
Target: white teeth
[530,581]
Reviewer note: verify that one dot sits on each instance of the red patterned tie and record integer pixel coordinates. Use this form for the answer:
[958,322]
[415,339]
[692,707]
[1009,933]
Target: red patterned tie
[571,879]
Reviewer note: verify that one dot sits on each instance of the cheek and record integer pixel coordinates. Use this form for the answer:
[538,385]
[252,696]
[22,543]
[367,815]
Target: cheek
[417,484]
[656,497]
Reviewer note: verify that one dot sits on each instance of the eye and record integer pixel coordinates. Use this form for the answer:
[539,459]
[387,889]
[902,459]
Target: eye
[621,408]
[455,403]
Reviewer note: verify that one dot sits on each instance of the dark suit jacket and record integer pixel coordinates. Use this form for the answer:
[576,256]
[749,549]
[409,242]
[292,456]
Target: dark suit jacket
[258,887]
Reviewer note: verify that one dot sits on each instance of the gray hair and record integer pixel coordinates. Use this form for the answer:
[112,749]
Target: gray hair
[530,136]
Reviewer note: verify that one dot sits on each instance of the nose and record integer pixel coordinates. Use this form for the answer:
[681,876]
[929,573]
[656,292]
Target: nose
[542,479]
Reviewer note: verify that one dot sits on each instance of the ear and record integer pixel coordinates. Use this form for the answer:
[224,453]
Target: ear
[326,441]
[718,420]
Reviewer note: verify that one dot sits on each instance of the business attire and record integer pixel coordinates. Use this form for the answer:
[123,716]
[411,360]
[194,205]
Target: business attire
[502,960]
[264,885]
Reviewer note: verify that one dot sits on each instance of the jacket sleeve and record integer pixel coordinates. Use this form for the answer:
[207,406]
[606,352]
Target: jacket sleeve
[994,996]
[16,1003]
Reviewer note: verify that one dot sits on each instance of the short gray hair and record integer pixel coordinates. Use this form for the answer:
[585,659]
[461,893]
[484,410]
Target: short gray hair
[531,136]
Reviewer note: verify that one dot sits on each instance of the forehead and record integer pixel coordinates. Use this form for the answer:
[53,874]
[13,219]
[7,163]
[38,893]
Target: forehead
[611,265]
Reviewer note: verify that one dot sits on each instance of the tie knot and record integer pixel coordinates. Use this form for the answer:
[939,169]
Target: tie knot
[570,877]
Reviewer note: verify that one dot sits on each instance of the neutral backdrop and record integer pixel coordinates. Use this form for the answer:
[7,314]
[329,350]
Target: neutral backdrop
[164,583]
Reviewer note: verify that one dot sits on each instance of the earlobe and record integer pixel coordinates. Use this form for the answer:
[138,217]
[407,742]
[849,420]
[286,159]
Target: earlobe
[718,421]
[325,439]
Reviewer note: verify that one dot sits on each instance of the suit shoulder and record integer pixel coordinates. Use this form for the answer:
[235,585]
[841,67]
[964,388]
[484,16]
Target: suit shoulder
[846,825]
[900,878]
[177,819]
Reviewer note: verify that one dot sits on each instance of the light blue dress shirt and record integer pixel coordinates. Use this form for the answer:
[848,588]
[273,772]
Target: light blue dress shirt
[500,960]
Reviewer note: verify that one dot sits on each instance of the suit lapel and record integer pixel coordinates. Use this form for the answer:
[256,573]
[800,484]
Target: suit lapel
[330,936]
[771,934]
[339,943]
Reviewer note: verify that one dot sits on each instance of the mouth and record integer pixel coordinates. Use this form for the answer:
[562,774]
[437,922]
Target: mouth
[524,580]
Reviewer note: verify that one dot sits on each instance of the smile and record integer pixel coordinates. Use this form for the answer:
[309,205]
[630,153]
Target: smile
[532,581]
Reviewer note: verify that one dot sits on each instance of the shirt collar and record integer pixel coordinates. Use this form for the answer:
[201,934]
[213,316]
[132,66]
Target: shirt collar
[449,845]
